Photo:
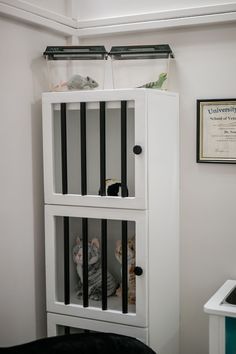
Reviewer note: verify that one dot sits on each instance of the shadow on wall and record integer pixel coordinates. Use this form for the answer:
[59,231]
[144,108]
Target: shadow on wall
[40,85]
[38,218]
[40,77]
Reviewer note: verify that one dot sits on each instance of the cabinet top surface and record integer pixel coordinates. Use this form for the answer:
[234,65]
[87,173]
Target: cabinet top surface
[112,93]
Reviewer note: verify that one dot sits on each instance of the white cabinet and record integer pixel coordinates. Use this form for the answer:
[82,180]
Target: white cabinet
[131,137]
[222,319]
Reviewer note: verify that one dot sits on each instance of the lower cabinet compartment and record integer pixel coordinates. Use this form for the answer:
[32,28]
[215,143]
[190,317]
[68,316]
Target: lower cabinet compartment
[96,263]
[62,324]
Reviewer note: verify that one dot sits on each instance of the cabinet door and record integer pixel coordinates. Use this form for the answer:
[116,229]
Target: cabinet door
[96,263]
[95,148]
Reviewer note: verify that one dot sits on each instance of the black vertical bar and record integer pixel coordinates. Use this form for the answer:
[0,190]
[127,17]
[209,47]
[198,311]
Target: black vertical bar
[64,149]
[83,148]
[124,268]
[67,330]
[66,261]
[85,261]
[104,263]
[102,148]
[124,190]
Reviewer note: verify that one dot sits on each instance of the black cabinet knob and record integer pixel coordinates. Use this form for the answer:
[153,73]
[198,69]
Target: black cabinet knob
[137,149]
[138,271]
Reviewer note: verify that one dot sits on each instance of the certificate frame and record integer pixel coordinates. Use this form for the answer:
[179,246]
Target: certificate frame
[216,130]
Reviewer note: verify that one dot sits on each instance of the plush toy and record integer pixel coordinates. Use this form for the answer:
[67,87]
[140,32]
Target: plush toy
[94,270]
[131,266]
[76,82]
[113,187]
[156,84]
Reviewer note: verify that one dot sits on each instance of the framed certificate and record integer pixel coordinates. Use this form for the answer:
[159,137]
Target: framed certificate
[216,130]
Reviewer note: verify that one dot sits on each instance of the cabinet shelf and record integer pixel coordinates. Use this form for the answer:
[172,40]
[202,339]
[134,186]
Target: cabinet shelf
[113,304]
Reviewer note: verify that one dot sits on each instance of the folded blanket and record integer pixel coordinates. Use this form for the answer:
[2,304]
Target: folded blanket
[82,343]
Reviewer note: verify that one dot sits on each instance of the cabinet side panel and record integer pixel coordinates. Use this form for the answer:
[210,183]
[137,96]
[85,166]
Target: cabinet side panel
[163,197]
[216,334]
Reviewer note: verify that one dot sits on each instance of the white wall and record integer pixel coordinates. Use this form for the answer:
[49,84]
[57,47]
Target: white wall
[22,79]
[57,6]
[205,68]
[112,8]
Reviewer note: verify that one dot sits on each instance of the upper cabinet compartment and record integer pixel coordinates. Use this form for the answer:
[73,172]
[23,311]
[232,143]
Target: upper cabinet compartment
[95,148]
[75,67]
